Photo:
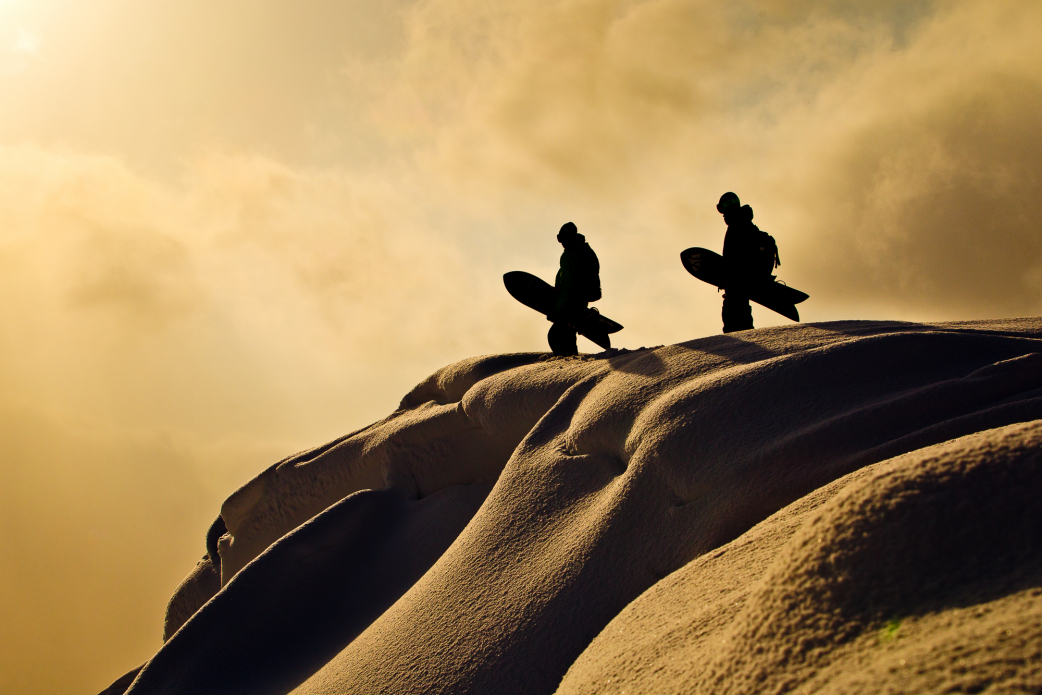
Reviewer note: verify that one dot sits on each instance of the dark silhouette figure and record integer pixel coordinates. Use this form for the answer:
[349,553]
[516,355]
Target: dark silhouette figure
[749,258]
[578,283]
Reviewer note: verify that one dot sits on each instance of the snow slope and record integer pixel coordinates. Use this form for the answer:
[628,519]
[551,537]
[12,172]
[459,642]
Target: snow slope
[674,519]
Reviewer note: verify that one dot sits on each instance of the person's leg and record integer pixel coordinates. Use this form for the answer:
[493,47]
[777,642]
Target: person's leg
[737,314]
[562,340]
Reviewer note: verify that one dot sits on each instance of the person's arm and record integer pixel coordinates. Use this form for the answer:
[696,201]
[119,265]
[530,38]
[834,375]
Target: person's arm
[565,286]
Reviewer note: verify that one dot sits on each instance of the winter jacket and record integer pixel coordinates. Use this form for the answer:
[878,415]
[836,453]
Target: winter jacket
[578,280]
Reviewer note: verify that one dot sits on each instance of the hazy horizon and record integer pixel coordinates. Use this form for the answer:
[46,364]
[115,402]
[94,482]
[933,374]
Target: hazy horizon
[231,232]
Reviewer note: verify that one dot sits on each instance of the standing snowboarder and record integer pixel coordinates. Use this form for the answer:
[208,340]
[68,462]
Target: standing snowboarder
[578,283]
[750,256]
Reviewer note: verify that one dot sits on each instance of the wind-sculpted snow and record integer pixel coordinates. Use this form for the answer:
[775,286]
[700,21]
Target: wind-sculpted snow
[481,537]
[917,574]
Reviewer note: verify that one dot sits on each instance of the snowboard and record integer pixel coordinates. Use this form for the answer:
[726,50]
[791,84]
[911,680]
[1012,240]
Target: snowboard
[536,294]
[709,267]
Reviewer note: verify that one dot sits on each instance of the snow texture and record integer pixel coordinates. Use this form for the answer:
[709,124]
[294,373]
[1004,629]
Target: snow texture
[842,507]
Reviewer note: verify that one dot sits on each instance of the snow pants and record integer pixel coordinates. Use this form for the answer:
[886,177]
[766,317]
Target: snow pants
[737,314]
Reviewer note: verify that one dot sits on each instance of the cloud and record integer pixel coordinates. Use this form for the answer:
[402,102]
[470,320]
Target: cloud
[247,255]
[930,196]
[590,93]
[889,148]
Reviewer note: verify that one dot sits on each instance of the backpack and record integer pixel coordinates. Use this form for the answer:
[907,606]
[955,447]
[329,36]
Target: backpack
[593,289]
[767,258]
[591,283]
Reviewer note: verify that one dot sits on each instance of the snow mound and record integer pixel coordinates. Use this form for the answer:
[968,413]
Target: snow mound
[520,518]
[918,574]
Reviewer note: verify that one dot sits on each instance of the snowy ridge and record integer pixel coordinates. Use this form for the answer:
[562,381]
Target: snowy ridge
[521,518]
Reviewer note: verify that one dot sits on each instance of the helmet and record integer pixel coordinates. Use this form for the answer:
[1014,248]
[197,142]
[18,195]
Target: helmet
[727,200]
[568,229]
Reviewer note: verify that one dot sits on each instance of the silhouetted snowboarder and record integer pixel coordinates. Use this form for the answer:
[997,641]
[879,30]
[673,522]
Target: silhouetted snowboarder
[578,283]
[750,256]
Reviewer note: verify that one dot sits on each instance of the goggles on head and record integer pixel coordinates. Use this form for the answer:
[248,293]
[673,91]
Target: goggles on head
[727,201]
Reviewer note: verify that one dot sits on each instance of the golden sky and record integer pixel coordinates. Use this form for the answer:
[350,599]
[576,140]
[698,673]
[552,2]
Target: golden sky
[231,230]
